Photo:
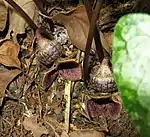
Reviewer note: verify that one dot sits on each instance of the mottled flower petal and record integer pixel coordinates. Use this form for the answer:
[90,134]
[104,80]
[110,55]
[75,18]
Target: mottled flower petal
[70,71]
[103,108]
[49,77]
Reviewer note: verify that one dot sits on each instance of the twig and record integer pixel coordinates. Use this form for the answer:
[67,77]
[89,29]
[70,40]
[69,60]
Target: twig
[52,127]
[9,95]
[67,109]
[40,104]
[45,16]
[90,38]
[98,43]
[88,9]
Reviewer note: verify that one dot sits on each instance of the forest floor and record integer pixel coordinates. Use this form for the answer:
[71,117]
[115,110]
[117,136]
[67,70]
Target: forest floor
[40,100]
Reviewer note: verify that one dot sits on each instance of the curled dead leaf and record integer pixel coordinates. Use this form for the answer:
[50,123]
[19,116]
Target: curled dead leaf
[9,54]
[116,97]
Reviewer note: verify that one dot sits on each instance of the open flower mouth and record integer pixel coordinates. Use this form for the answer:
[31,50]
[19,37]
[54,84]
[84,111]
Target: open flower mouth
[67,69]
[103,108]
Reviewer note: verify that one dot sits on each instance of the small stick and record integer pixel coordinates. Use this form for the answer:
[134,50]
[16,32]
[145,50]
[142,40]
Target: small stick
[67,109]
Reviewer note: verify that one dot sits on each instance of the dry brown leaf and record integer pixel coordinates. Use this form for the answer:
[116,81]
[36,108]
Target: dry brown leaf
[30,123]
[107,41]
[64,134]
[17,23]
[3,16]
[5,78]
[9,54]
[77,25]
[90,133]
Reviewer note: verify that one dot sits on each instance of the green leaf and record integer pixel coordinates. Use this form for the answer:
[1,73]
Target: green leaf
[131,66]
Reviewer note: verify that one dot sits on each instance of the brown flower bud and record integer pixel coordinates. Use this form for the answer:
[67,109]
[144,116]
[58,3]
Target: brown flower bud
[49,50]
[101,78]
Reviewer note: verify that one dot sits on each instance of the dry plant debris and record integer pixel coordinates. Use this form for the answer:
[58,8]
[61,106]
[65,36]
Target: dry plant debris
[8,57]
[30,123]
[5,78]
